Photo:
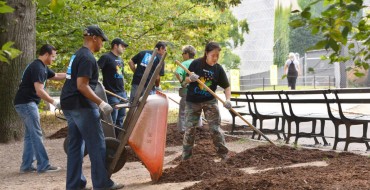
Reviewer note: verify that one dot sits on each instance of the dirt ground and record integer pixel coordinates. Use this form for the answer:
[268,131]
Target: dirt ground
[251,165]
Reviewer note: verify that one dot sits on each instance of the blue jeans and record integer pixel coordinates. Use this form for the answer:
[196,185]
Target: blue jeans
[33,143]
[118,114]
[134,89]
[84,126]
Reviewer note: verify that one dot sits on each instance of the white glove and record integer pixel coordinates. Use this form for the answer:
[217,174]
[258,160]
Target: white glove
[193,77]
[227,104]
[57,104]
[105,108]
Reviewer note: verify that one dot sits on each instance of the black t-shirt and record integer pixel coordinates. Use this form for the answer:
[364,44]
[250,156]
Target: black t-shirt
[82,64]
[142,60]
[36,71]
[112,70]
[209,75]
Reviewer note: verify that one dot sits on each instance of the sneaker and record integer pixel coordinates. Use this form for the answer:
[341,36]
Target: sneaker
[30,170]
[51,169]
[116,186]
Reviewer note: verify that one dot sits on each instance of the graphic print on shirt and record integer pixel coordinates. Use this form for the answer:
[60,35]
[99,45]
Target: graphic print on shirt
[207,80]
[69,69]
[146,59]
[119,69]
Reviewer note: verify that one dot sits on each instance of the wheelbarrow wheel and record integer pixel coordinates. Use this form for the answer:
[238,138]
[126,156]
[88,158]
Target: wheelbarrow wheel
[65,146]
[112,146]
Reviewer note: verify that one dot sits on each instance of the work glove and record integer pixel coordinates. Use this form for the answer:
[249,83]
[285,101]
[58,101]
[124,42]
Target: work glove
[57,105]
[227,104]
[193,77]
[105,108]
[184,84]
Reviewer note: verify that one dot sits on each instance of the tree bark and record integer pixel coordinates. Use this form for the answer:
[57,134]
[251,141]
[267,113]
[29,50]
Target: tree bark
[20,28]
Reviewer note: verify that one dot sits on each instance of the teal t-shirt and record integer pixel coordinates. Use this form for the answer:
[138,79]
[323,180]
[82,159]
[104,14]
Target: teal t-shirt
[181,71]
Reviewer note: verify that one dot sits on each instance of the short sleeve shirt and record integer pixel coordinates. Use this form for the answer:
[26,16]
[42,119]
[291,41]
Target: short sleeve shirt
[142,60]
[212,76]
[181,71]
[112,69]
[36,71]
[81,64]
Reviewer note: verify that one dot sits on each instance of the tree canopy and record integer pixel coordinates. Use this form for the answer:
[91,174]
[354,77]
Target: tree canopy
[344,29]
[141,24]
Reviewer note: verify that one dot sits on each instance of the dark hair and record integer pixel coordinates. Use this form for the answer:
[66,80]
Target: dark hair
[47,48]
[160,44]
[189,49]
[210,47]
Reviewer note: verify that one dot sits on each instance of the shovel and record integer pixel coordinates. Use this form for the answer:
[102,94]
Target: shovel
[223,102]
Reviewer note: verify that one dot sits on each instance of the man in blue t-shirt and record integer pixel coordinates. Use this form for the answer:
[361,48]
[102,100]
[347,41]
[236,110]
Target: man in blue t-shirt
[112,68]
[141,60]
[30,92]
[81,106]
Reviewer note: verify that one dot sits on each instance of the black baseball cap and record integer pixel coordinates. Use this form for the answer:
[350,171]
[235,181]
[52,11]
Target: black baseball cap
[94,30]
[119,41]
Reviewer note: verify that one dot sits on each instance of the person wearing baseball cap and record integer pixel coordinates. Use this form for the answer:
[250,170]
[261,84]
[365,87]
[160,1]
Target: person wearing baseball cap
[94,30]
[81,106]
[112,67]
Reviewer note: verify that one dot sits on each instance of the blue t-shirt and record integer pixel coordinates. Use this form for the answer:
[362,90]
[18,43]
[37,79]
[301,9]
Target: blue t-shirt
[142,60]
[36,71]
[112,69]
[82,64]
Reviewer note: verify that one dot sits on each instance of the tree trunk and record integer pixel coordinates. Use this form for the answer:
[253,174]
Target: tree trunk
[20,28]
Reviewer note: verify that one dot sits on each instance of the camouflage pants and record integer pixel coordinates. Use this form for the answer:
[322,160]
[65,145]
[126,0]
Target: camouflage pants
[182,115]
[212,114]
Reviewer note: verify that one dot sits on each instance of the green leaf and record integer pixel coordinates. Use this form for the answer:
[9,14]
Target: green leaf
[334,45]
[5,8]
[44,3]
[351,46]
[306,14]
[359,74]
[353,7]
[296,23]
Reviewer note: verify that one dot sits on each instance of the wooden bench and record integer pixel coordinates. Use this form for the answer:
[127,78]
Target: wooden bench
[342,98]
[290,100]
[291,112]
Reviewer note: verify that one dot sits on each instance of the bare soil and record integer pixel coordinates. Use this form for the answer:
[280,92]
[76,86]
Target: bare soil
[204,170]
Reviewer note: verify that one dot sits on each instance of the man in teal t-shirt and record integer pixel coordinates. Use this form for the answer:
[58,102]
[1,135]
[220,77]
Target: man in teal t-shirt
[188,53]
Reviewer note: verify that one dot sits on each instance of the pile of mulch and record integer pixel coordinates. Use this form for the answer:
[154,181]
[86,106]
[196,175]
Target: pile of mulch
[345,171]
[198,167]
[273,156]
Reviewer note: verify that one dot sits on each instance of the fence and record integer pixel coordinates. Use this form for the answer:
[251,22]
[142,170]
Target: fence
[264,82]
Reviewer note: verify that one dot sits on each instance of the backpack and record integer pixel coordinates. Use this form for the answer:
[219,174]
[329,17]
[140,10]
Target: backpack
[292,70]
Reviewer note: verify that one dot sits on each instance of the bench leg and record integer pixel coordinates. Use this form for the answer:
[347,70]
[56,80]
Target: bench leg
[348,136]
[233,126]
[283,127]
[322,121]
[296,132]
[364,135]
[254,121]
[289,132]
[314,132]
[336,137]
[277,128]
[261,128]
